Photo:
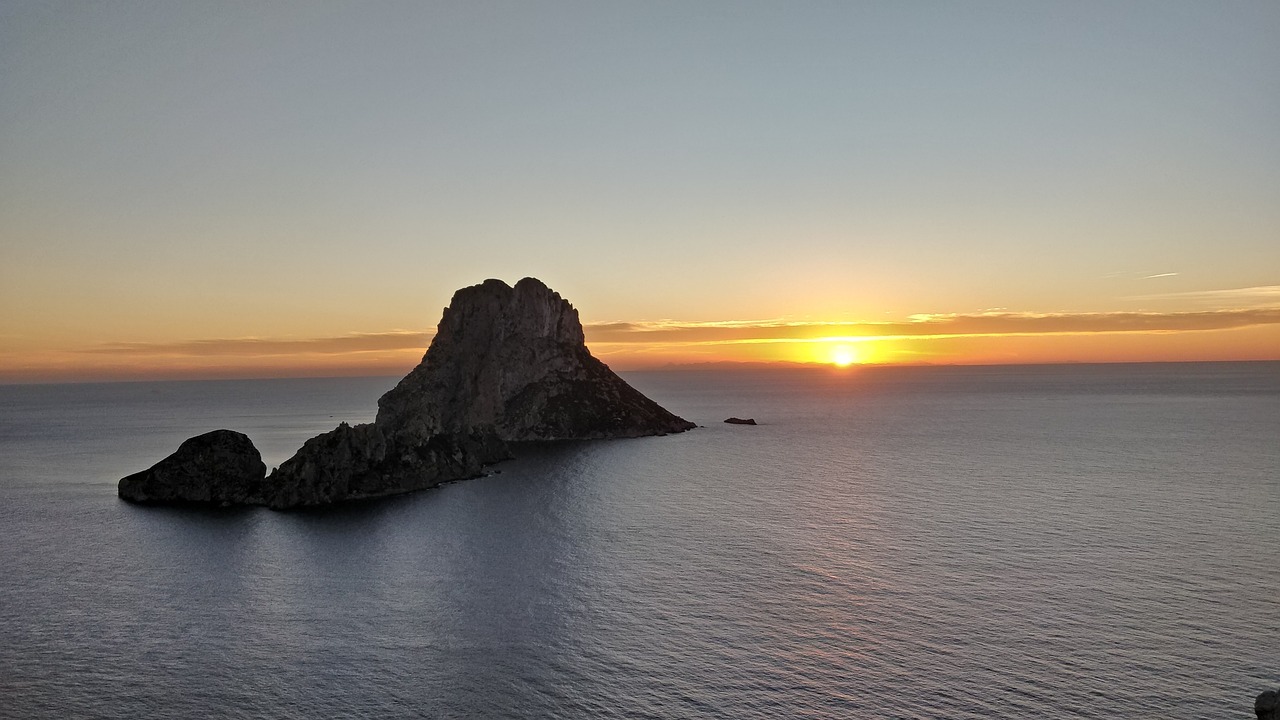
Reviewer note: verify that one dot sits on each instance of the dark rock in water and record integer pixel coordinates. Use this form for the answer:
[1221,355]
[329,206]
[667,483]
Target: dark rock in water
[512,361]
[1267,705]
[354,462]
[741,421]
[329,467]
[218,468]
[506,364]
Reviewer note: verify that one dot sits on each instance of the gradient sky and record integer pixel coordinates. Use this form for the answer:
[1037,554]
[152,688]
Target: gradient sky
[273,188]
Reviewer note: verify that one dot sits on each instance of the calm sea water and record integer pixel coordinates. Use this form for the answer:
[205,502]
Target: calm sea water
[1092,541]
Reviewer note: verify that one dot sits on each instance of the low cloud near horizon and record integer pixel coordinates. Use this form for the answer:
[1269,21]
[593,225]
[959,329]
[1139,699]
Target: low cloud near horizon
[1259,296]
[733,332]
[341,345]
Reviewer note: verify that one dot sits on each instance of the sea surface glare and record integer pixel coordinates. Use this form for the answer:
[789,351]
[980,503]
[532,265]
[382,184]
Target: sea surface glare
[1070,541]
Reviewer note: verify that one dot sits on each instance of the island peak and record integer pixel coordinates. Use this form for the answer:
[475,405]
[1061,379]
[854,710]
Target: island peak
[506,364]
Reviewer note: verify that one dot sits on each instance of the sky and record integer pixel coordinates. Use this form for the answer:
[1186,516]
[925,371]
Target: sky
[276,188]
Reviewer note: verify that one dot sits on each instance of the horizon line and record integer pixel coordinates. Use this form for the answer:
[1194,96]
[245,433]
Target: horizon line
[705,366]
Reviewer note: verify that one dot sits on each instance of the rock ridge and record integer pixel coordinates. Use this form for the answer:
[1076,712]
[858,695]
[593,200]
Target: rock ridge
[507,364]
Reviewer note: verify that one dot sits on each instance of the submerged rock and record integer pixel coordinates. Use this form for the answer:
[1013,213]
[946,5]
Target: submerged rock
[221,468]
[507,364]
[741,421]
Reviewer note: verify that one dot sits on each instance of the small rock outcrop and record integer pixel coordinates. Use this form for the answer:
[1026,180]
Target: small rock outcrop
[1267,705]
[741,421]
[219,468]
[507,364]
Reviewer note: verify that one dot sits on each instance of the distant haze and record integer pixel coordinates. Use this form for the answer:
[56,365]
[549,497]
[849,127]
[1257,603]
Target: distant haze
[240,189]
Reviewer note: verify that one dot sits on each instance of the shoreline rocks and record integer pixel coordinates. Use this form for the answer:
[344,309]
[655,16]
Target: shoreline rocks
[507,364]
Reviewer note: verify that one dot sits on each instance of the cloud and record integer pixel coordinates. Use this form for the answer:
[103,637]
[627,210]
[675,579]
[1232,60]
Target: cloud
[1082,323]
[670,332]
[258,347]
[932,326]
[1137,274]
[1250,297]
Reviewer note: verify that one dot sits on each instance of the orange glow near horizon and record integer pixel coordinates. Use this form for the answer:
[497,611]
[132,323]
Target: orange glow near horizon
[1242,344]
[641,348]
[842,351]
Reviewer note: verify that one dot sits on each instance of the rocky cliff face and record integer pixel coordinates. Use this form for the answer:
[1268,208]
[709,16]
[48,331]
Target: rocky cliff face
[512,361]
[507,364]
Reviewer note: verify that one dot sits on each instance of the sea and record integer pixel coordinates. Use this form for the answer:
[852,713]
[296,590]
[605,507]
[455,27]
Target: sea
[1076,541]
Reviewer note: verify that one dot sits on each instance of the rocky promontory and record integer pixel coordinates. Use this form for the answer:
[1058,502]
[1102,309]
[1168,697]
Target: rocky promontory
[513,362]
[506,364]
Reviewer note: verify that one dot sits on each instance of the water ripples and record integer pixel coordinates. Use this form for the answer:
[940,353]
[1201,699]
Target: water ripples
[983,547]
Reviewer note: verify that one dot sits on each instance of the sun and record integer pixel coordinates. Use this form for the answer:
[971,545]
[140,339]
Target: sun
[844,356]
[841,352]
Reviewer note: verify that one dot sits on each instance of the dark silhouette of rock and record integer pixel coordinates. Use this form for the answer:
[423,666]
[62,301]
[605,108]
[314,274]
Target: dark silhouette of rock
[506,364]
[741,421]
[354,462]
[218,468]
[512,362]
[1267,705]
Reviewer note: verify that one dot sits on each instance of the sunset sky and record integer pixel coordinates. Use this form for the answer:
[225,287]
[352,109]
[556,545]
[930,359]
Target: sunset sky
[225,189]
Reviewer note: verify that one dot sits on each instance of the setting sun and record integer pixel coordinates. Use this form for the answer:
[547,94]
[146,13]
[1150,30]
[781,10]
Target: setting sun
[844,356]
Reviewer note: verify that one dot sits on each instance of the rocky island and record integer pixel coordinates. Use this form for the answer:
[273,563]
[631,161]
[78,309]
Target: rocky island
[507,364]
